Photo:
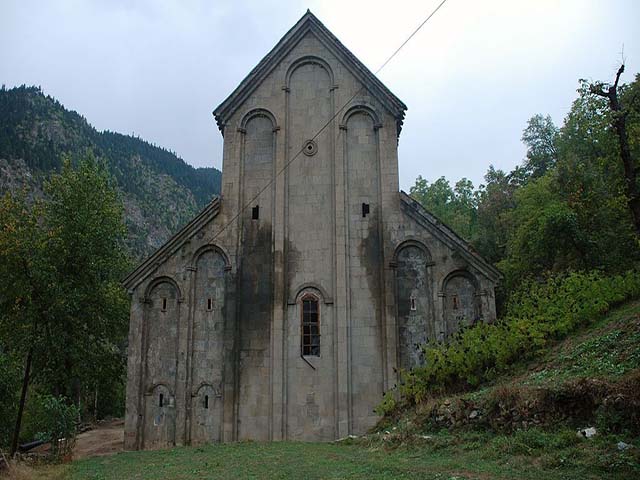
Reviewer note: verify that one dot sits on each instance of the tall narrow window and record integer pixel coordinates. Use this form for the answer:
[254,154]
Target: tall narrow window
[310,327]
[413,303]
[255,212]
[206,401]
[455,302]
[164,304]
[161,402]
[209,304]
[365,209]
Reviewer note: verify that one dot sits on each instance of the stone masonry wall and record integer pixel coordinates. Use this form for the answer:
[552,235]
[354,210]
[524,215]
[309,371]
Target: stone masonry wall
[225,350]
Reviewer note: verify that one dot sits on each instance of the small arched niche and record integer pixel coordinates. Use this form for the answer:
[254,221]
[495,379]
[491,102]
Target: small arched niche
[310,61]
[414,300]
[162,302]
[258,152]
[160,417]
[206,410]
[209,295]
[461,301]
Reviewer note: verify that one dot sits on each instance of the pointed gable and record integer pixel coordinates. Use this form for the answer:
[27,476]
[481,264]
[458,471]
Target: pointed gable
[447,236]
[309,23]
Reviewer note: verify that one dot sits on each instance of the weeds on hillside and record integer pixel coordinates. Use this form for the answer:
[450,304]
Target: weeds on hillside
[537,314]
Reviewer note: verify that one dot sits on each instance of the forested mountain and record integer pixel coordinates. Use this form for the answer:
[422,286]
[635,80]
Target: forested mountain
[161,191]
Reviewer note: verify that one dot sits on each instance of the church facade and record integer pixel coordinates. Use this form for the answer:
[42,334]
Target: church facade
[286,308]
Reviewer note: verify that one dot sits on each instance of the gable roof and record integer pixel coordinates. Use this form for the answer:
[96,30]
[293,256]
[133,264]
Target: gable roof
[441,231]
[309,23]
[151,264]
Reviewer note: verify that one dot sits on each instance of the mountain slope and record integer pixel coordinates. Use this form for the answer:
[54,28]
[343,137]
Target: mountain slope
[161,192]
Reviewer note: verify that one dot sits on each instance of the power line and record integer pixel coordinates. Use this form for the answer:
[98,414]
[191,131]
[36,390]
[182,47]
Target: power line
[286,165]
[410,36]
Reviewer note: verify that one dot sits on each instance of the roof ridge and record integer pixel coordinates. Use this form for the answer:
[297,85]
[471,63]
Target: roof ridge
[173,243]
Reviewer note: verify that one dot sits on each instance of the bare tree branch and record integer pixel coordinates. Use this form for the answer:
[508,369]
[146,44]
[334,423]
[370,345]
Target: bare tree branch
[619,124]
[620,72]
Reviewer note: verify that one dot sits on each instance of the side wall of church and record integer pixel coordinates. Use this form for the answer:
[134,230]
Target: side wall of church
[180,351]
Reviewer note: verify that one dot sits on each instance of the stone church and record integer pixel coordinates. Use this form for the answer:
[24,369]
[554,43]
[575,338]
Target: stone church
[286,308]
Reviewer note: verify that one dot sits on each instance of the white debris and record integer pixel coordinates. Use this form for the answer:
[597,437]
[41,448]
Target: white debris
[348,437]
[587,432]
[623,446]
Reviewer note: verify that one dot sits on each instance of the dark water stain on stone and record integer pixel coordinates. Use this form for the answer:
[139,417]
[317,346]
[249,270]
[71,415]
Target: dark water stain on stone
[369,251]
[292,258]
[256,286]
[414,301]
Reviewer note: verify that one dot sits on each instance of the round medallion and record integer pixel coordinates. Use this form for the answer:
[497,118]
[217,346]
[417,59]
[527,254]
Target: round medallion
[310,148]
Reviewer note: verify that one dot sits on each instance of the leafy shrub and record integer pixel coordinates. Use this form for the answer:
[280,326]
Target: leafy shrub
[9,393]
[387,405]
[536,314]
[53,420]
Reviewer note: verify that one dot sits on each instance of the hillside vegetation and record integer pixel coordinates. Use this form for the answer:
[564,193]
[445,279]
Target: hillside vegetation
[572,204]
[160,191]
[537,315]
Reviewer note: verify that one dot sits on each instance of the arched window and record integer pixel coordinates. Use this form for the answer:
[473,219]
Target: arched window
[310,326]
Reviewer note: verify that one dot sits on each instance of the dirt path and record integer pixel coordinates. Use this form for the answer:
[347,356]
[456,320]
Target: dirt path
[105,439]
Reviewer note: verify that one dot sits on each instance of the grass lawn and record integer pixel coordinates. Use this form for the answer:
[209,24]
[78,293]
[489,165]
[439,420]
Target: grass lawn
[526,455]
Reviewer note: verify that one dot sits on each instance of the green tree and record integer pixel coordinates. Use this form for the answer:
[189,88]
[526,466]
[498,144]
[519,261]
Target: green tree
[620,105]
[456,207]
[9,395]
[541,137]
[61,307]
[436,197]
[569,205]
[544,233]
[495,200]
[24,280]
[86,247]
[576,215]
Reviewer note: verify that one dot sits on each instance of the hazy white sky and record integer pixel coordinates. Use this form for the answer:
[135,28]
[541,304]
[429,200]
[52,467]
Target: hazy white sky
[471,77]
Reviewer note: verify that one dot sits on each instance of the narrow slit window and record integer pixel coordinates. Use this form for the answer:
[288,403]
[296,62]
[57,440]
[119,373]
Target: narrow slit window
[456,304]
[255,212]
[365,210]
[413,304]
[161,401]
[310,327]
[164,304]
[209,304]
[206,401]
